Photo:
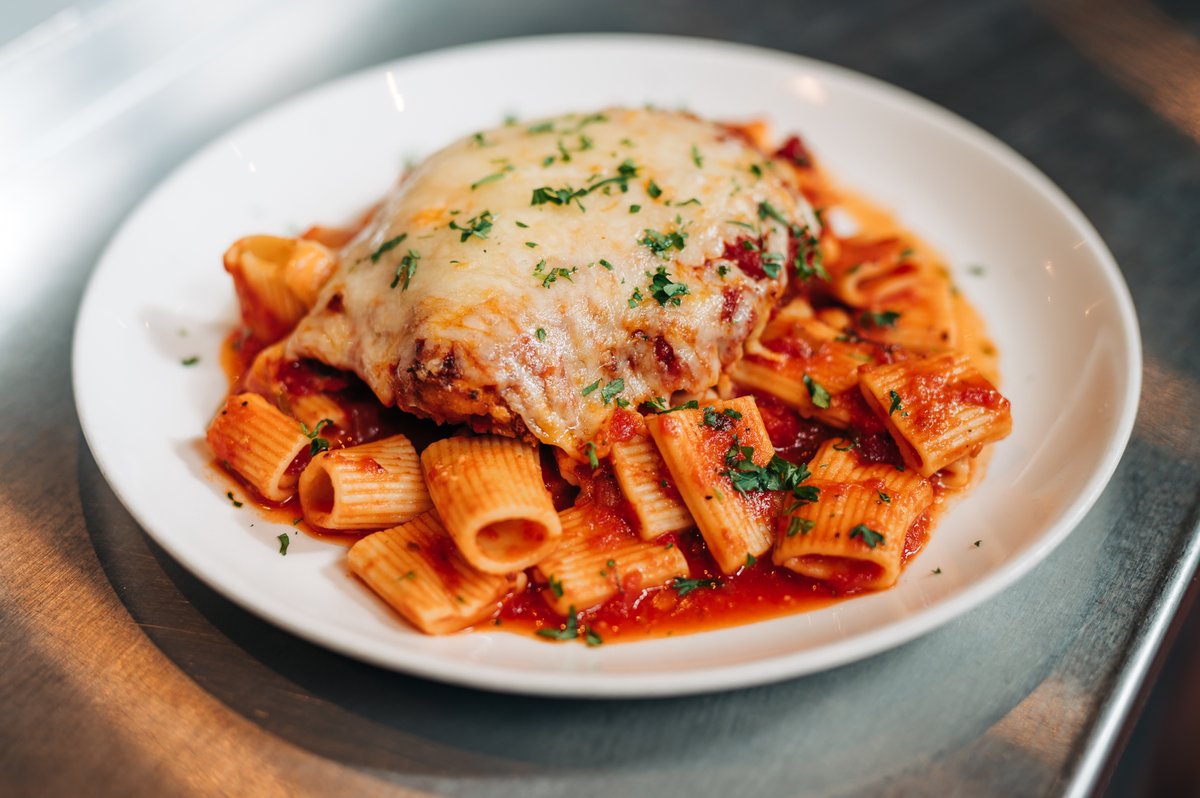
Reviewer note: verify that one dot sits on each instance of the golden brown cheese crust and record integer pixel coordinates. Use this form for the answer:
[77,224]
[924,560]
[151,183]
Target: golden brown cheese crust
[516,269]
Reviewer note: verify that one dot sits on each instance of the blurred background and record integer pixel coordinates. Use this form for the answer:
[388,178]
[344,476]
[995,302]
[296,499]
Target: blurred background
[100,99]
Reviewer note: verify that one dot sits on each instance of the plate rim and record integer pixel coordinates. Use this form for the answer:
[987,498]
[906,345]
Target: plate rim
[610,684]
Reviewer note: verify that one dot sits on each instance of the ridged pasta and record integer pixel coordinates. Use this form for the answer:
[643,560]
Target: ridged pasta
[645,482]
[490,495]
[416,568]
[258,443]
[733,524]
[937,409]
[277,280]
[371,486]
[853,535]
[810,366]
[596,558]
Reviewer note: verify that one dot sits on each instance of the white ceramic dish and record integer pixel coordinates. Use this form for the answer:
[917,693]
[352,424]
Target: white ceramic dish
[1051,294]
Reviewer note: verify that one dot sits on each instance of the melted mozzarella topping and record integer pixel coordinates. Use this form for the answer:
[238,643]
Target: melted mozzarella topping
[515,269]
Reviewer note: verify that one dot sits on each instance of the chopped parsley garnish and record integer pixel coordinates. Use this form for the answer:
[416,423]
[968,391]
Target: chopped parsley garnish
[478,226]
[190,361]
[820,396]
[541,127]
[697,158]
[557,196]
[549,277]
[634,208]
[868,535]
[746,475]
[659,405]
[756,170]
[318,444]
[569,632]
[540,333]
[387,246]
[606,264]
[406,269]
[720,421]
[492,178]
[883,497]
[978,543]
[284,541]
[809,257]
[799,526]
[626,170]
[635,298]
[608,392]
[531,244]
[653,190]
[750,560]
[771,263]
[232,500]
[895,402]
[936,571]
[591,638]
[685,586]
[664,290]
[907,253]
[886,318]
[768,211]
[479,140]
[521,224]
[591,388]
[846,445]
[555,586]
[593,461]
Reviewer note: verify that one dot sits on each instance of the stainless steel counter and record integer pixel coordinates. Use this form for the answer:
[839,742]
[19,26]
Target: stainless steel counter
[122,674]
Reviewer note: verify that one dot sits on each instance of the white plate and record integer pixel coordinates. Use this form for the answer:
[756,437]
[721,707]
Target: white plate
[1051,295]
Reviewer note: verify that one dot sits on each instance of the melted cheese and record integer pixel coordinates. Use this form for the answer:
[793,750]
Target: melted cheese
[459,341]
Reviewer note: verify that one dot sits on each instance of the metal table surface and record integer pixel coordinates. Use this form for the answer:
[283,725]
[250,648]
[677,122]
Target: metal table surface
[122,674]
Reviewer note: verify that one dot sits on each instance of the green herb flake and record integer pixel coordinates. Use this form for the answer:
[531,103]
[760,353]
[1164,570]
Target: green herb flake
[653,190]
[387,246]
[591,388]
[867,535]
[820,396]
[492,178]
[799,526]
[522,225]
[405,269]
[318,444]
[541,127]
[570,631]
[634,208]
[593,460]
[936,571]
[878,320]
[883,497]
[608,392]
[540,333]
[531,244]
[190,361]
[592,638]
[846,445]
[478,226]
[606,264]
[664,290]
[659,405]
[635,298]
[895,402]
[978,543]
[284,541]
[685,586]
[232,500]
[555,587]
[697,158]
[750,560]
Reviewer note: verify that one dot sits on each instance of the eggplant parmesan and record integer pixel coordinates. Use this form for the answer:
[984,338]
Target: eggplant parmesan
[530,279]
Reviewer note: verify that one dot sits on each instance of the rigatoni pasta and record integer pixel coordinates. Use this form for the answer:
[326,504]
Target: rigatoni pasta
[490,495]
[369,486]
[416,568]
[258,443]
[635,369]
